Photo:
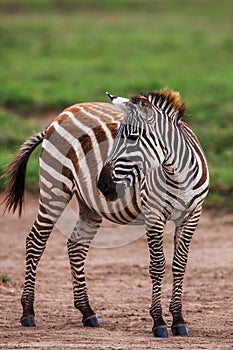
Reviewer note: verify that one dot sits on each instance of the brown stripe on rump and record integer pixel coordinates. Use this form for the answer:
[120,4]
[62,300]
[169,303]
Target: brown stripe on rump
[71,154]
[76,108]
[55,164]
[89,122]
[86,143]
[102,138]
[61,117]
[100,134]
[105,112]
[113,128]
[49,132]
[61,144]
[75,131]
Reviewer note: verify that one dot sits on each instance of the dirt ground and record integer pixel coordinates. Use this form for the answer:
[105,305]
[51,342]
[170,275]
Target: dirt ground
[119,290]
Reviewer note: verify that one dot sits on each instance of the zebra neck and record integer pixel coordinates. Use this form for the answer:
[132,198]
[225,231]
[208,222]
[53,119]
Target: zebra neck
[180,161]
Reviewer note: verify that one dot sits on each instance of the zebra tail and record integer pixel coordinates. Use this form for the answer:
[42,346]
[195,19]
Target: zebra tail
[15,173]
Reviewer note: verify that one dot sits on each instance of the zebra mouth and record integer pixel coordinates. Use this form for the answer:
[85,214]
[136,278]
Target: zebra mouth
[111,197]
[113,193]
[120,190]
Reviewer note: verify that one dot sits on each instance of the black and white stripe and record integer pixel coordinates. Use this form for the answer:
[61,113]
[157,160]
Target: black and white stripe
[75,148]
[156,151]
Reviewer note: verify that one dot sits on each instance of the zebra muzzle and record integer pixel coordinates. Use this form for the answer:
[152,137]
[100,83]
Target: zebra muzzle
[109,188]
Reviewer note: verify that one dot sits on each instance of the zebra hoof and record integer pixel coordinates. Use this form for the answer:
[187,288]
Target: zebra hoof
[160,332]
[91,321]
[180,330]
[28,321]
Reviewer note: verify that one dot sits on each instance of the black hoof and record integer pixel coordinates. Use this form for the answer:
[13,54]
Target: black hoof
[160,332]
[91,321]
[180,330]
[28,321]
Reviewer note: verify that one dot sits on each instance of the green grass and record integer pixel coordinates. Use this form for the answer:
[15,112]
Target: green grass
[56,53]
[4,279]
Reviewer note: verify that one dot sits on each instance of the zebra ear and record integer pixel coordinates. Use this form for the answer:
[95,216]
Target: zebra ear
[145,108]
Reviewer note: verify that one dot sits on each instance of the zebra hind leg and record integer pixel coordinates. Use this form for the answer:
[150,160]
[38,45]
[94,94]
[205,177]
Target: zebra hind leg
[78,245]
[182,241]
[48,213]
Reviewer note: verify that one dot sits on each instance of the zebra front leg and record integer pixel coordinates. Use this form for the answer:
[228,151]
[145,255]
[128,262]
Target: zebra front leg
[182,240]
[78,246]
[157,270]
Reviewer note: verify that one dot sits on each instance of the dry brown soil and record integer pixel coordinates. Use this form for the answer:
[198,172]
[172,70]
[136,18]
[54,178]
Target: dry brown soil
[119,289]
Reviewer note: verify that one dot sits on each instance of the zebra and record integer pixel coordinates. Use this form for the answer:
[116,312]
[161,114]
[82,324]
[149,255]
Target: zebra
[159,154]
[72,162]
[73,150]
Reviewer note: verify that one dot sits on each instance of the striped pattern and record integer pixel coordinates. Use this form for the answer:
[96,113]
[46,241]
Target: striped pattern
[155,148]
[74,150]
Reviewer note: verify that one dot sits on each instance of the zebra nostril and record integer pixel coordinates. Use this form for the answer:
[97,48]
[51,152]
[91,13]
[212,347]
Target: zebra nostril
[105,187]
[105,182]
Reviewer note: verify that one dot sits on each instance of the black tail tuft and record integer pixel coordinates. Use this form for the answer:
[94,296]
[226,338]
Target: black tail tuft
[15,174]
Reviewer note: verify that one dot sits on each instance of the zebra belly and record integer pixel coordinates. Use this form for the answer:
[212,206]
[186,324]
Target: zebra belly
[122,211]
[125,217]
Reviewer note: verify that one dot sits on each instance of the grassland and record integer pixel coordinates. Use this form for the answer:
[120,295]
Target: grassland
[57,53]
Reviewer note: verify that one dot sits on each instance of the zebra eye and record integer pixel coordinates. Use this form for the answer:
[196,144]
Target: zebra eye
[132,137]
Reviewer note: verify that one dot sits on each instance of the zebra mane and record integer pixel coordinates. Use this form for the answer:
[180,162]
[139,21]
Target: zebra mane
[167,100]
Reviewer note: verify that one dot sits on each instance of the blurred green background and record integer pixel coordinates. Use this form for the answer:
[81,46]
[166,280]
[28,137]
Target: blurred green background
[54,53]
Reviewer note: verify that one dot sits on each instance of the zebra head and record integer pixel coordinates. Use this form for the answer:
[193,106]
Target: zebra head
[138,149]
